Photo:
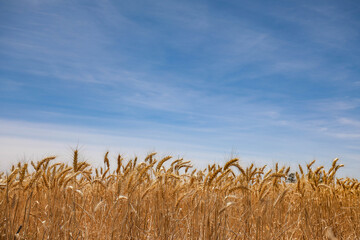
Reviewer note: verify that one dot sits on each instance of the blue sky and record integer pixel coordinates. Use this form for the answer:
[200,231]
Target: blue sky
[267,81]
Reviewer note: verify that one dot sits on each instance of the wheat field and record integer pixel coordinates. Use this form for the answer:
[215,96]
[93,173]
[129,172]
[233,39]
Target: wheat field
[166,198]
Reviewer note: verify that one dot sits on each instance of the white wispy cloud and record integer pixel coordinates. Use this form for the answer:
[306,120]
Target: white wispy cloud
[352,122]
[346,135]
[335,105]
[31,141]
